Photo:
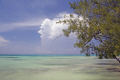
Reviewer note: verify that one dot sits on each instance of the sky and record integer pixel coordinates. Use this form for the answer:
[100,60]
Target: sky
[29,27]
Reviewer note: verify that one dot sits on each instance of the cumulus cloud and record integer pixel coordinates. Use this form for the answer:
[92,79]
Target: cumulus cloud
[49,30]
[50,26]
[3,41]
[55,29]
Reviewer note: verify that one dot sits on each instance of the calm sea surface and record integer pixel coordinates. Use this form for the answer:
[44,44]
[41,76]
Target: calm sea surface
[58,68]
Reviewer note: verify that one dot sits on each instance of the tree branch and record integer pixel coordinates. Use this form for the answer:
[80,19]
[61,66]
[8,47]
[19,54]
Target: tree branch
[108,48]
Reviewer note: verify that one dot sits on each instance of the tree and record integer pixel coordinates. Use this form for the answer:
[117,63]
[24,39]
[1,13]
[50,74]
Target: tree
[100,21]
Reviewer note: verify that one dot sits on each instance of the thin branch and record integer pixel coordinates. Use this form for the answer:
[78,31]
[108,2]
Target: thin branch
[58,37]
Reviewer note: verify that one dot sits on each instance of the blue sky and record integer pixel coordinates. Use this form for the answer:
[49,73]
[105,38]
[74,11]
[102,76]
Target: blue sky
[28,27]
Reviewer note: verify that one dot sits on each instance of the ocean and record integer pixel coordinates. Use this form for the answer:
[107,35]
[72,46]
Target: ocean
[57,67]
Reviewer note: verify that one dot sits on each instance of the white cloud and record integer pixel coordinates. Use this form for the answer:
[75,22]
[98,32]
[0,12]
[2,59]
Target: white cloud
[3,41]
[49,30]
[36,22]
[50,26]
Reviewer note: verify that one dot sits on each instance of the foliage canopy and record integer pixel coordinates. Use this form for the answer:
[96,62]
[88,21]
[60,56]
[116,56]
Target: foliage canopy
[100,21]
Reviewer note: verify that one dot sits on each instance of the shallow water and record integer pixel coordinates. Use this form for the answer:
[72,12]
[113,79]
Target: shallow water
[58,68]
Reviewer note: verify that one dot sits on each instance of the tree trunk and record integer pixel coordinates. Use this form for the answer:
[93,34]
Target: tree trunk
[116,58]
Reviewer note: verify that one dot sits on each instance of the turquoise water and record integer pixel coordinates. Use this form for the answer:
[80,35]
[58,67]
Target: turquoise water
[58,68]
